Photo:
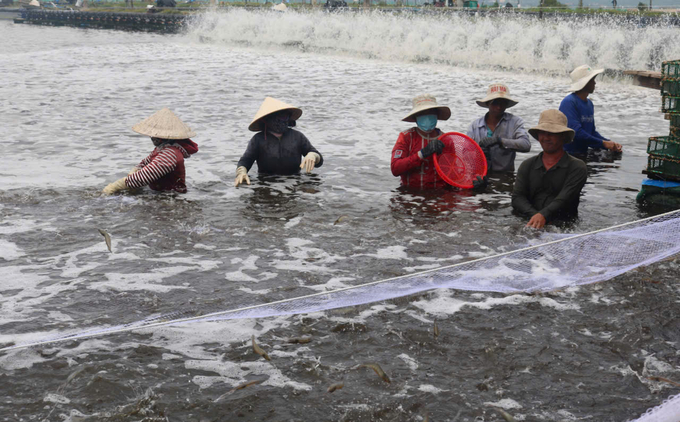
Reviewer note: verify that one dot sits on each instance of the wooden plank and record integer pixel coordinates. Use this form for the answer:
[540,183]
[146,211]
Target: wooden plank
[645,78]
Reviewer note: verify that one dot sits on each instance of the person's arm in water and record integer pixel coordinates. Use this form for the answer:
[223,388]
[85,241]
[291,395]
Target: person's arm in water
[147,171]
[246,162]
[607,143]
[520,192]
[311,157]
[520,140]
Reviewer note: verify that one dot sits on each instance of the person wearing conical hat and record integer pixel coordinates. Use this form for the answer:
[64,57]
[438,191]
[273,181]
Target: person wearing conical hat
[163,169]
[276,147]
[500,134]
[581,113]
[412,154]
[548,186]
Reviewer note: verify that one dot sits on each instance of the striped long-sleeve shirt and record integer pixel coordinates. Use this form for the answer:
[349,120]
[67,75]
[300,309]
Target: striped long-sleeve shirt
[163,169]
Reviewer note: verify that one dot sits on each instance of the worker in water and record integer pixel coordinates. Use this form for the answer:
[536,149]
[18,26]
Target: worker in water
[276,147]
[499,133]
[163,169]
[412,154]
[581,113]
[548,185]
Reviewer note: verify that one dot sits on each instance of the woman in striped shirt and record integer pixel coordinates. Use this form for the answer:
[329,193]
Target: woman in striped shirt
[163,169]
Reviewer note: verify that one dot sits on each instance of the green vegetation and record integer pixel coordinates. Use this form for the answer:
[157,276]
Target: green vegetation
[549,6]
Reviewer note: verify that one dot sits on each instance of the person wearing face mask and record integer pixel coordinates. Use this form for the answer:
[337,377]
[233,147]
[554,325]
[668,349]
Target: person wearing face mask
[412,154]
[498,133]
[276,147]
[163,169]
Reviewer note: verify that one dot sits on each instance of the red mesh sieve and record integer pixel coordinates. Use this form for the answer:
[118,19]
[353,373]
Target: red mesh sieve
[461,161]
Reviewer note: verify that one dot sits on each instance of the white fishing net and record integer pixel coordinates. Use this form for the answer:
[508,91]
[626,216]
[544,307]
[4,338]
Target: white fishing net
[570,261]
[668,411]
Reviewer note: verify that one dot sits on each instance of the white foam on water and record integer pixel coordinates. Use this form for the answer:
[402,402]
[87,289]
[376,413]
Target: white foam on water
[506,404]
[428,388]
[445,303]
[9,251]
[293,222]
[412,363]
[390,252]
[254,292]
[333,283]
[29,293]
[151,281]
[471,41]
[56,398]
[20,225]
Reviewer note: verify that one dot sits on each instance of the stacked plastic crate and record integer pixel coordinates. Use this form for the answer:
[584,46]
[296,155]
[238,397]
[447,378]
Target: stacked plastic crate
[662,186]
[663,162]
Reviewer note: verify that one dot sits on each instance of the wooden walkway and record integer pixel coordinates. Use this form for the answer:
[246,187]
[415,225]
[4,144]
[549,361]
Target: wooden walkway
[645,78]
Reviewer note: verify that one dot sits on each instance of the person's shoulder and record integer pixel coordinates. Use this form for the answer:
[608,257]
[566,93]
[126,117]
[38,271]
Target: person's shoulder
[576,163]
[568,99]
[529,162]
[408,131]
[295,134]
[513,117]
[479,121]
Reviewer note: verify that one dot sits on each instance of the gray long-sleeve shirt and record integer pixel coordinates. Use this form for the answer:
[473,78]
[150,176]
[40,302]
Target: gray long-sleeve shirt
[514,137]
[553,192]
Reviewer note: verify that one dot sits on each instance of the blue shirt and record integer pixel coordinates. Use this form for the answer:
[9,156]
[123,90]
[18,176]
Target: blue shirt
[581,118]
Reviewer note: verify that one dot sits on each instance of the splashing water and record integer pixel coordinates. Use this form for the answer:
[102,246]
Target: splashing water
[519,42]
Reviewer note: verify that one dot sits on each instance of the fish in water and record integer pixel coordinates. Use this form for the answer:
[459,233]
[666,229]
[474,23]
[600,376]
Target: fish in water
[107,239]
[436,328]
[336,386]
[378,370]
[299,340]
[257,349]
[339,220]
[505,414]
[239,387]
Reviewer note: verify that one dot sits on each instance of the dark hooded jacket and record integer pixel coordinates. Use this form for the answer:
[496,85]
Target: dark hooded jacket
[278,156]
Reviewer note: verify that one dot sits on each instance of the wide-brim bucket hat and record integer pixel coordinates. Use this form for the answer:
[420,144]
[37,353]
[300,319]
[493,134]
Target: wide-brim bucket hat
[427,102]
[494,92]
[581,76]
[164,124]
[552,121]
[270,106]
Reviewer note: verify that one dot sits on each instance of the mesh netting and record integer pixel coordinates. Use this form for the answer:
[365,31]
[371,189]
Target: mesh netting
[571,261]
[461,161]
[668,411]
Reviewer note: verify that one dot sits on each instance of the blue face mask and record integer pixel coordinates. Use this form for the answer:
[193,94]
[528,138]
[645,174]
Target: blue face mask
[427,123]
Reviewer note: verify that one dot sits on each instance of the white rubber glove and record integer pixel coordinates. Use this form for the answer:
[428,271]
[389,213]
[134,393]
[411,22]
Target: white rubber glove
[241,176]
[309,161]
[114,187]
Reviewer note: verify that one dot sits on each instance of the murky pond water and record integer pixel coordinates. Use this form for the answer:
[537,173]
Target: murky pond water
[69,101]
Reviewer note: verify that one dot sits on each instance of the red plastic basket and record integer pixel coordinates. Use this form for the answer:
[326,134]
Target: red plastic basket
[462,160]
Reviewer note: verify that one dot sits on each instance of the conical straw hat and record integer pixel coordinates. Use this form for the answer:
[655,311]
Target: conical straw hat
[270,106]
[165,125]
